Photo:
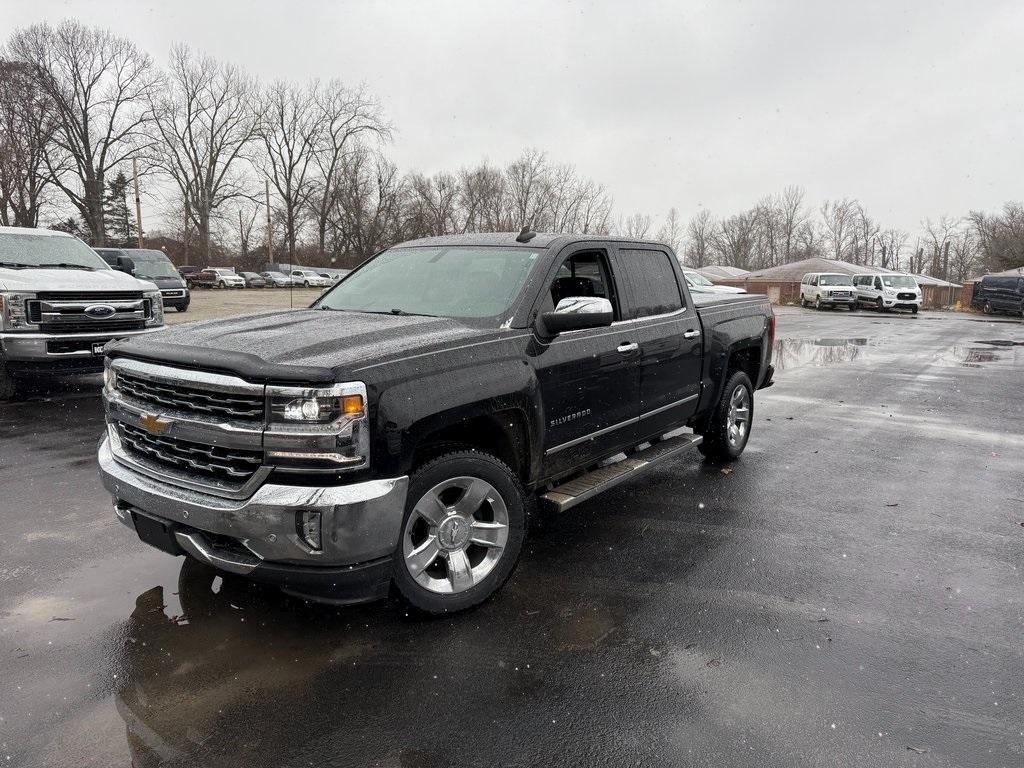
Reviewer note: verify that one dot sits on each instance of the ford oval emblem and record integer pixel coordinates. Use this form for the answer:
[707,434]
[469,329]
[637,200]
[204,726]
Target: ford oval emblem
[99,311]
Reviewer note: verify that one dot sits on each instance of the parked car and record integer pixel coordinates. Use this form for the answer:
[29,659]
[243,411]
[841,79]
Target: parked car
[186,271]
[999,293]
[60,303]
[402,429]
[277,279]
[216,277]
[827,289]
[700,284]
[309,279]
[153,265]
[887,290]
[252,280]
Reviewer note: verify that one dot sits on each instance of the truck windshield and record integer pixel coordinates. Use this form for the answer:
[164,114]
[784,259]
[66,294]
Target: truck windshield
[451,281]
[28,251]
[899,281]
[835,280]
[696,278]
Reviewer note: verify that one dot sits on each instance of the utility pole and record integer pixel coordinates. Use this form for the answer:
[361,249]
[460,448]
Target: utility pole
[138,202]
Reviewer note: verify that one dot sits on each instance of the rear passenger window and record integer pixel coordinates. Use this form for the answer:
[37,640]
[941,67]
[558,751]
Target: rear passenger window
[650,282]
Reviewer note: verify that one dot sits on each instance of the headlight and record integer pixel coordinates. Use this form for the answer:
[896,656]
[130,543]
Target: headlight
[318,428]
[109,377]
[156,303]
[14,310]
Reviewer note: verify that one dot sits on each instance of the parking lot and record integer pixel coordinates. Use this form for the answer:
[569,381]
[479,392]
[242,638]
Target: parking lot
[210,303]
[848,593]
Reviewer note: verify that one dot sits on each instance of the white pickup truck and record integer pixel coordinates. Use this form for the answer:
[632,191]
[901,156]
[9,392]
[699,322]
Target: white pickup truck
[60,303]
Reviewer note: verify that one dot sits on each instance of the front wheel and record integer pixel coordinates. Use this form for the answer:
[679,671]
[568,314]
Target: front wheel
[879,305]
[463,531]
[222,284]
[817,303]
[803,302]
[182,307]
[305,283]
[728,429]
[913,310]
[987,309]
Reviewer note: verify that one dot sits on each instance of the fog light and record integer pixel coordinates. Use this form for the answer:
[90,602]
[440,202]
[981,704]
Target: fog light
[308,524]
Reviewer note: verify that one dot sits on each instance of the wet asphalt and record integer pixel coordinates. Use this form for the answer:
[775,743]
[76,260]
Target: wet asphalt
[850,593]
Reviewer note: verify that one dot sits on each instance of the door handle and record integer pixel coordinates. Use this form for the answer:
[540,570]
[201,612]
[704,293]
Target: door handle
[627,347]
[691,334]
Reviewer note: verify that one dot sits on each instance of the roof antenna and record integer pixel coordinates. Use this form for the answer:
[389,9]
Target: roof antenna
[526,235]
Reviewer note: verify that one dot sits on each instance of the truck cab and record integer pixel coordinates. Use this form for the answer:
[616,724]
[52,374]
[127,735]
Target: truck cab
[154,266]
[60,303]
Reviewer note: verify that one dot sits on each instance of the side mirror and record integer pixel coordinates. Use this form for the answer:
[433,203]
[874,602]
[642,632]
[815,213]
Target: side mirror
[126,265]
[576,312]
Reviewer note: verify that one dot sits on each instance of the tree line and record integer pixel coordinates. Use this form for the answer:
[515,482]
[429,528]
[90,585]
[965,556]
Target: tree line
[213,145]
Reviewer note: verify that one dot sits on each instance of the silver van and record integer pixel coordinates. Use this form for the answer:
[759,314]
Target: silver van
[827,289]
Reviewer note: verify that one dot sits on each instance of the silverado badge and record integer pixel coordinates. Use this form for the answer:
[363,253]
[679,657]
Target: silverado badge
[153,423]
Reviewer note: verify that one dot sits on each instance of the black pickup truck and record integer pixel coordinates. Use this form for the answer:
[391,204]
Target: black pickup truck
[406,428]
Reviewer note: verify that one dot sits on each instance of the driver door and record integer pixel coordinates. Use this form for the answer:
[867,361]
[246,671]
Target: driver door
[590,378]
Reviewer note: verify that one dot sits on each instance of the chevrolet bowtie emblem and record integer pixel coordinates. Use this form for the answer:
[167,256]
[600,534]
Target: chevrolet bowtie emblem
[153,423]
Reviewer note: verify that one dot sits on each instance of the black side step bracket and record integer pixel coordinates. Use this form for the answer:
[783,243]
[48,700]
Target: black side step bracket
[583,487]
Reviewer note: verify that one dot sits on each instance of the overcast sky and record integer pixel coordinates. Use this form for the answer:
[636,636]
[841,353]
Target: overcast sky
[915,108]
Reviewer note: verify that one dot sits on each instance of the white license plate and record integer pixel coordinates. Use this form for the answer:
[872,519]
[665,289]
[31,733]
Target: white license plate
[97,347]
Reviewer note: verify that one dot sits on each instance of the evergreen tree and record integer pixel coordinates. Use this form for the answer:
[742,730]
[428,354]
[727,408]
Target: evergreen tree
[116,213]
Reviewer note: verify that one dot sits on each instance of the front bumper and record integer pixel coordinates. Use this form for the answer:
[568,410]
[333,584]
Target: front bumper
[175,297]
[77,349]
[258,537]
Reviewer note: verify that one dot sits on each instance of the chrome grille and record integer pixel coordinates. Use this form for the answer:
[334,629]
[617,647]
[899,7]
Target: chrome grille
[93,326]
[178,397]
[233,464]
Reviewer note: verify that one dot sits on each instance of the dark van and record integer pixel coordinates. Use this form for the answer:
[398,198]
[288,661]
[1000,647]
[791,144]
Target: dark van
[153,265]
[999,293]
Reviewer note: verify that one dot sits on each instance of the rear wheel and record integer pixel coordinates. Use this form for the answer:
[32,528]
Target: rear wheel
[222,284]
[305,283]
[728,430]
[463,531]
[987,309]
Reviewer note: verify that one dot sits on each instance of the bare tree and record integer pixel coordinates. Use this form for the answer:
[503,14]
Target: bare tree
[636,226]
[892,243]
[700,236]
[290,128]
[733,240]
[939,234]
[206,122]
[1000,237]
[528,185]
[671,232]
[27,125]
[864,233]
[793,217]
[838,219]
[99,86]
[347,115]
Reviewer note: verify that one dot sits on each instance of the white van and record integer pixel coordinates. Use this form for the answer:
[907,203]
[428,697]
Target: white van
[827,289]
[888,290]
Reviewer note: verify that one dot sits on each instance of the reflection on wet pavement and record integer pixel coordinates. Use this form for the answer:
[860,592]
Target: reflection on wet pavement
[794,353]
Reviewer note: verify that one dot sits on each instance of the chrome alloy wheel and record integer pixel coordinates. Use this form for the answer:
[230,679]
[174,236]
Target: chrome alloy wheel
[455,535]
[738,421]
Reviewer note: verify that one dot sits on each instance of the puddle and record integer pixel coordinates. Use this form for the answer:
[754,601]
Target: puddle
[1002,343]
[968,357]
[795,353]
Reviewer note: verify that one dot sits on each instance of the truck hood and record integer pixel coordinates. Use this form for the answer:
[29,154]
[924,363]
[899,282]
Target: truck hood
[70,280]
[306,346]
[166,282]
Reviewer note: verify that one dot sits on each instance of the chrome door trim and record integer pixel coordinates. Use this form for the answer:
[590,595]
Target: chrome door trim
[656,411]
[591,436]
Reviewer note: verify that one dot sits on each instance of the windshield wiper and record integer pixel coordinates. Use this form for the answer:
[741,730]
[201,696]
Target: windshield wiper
[67,265]
[14,265]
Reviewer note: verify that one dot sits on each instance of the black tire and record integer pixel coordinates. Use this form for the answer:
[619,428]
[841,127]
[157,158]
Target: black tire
[879,305]
[803,302]
[8,385]
[182,307]
[222,285]
[305,283]
[518,503]
[987,309]
[817,303]
[717,446]
[913,310]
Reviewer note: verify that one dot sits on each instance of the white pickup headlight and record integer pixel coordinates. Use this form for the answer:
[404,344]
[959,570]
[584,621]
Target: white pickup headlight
[14,310]
[156,314]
